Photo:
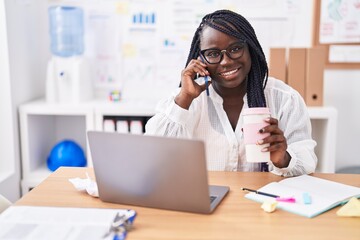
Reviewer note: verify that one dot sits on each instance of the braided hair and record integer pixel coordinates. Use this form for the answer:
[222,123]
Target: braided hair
[235,25]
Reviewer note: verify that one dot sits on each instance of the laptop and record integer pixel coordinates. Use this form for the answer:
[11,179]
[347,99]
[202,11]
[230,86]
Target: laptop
[153,171]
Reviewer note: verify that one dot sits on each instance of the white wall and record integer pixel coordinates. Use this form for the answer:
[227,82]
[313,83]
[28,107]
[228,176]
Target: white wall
[342,90]
[28,54]
[9,165]
[28,48]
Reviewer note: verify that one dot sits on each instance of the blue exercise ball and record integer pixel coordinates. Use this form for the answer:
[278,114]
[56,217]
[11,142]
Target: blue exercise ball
[66,153]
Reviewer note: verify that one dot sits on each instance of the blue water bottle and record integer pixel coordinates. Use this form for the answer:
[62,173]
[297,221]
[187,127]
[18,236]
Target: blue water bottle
[66,30]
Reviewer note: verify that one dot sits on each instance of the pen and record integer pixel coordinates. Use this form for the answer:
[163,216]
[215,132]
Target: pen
[261,193]
[206,78]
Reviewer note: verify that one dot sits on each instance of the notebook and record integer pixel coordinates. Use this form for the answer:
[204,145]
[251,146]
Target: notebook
[324,194]
[153,171]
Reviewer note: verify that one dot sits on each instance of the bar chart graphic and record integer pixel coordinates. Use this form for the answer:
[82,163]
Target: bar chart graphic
[168,43]
[144,18]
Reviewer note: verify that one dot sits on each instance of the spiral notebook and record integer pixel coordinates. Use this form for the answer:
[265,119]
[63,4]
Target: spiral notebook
[324,194]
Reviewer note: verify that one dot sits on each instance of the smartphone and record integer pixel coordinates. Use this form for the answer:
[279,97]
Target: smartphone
[206,78]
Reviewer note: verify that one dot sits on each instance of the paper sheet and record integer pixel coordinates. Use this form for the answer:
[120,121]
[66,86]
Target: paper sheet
[340,21]
[55,223]
[344,53]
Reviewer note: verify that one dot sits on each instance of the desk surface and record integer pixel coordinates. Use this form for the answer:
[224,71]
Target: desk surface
[235,218]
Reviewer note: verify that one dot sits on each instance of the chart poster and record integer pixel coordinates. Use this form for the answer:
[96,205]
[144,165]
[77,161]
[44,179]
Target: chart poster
[340,21]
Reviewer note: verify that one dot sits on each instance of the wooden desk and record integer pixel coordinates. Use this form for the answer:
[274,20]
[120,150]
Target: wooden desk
[235,218]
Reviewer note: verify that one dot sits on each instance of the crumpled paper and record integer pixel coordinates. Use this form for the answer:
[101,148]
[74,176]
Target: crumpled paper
[350,209]
[85,184]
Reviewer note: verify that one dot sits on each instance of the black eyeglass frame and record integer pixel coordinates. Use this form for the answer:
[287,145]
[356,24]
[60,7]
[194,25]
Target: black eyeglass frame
[202,52]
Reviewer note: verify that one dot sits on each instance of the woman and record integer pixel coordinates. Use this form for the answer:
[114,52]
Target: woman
[225,48]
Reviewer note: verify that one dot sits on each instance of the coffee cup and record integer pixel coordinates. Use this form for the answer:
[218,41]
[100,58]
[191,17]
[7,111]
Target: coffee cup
[253,121]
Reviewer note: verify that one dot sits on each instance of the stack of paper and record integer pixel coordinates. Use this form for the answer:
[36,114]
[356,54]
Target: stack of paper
[23,222]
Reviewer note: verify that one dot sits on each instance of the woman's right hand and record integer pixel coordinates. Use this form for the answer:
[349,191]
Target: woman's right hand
[189,88]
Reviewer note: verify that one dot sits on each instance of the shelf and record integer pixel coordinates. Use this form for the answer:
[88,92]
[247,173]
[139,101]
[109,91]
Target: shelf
[324,125]
[128,109]
[42,126]
[125,108]
[322,112]
[40,107]
[41,172]
[34,178]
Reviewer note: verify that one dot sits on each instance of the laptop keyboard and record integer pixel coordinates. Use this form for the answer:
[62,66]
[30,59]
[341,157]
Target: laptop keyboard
[212,198]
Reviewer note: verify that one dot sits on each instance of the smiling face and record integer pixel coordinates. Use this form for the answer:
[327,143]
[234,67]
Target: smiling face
[229,73]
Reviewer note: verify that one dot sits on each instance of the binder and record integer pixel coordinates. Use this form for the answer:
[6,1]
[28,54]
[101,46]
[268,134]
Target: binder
[315,64]
[297,69]
[277,65]
[122,126]
[136,127]
[109,125]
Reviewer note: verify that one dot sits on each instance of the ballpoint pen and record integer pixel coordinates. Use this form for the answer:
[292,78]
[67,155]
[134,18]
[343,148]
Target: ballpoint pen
[261,193]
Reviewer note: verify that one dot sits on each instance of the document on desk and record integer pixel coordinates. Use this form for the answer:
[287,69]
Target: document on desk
[324,194]
[60,223]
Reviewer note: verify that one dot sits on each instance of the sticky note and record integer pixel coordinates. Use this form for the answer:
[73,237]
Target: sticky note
[269,206]
[350,209]
[129,50]
[306,198]
[122,7]
[286,199]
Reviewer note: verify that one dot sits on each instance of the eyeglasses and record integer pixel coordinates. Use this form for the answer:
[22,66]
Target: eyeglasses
[215,56]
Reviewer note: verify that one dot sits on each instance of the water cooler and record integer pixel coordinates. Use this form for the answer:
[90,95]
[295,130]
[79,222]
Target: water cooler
[68,72]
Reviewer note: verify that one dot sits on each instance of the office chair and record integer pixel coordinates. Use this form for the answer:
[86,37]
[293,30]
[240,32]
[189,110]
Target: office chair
[4,203]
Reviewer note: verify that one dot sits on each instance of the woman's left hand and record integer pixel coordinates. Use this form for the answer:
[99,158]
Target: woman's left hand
[278,145]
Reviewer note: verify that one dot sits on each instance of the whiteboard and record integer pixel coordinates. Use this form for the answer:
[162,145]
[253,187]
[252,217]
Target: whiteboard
[140,47]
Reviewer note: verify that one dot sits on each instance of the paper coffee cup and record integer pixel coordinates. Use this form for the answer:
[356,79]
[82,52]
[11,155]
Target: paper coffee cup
[253,121]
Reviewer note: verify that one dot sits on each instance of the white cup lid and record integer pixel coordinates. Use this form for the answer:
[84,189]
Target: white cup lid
[256,110]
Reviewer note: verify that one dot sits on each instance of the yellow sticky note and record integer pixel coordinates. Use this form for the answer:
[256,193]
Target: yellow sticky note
[350,209]
[129,50]
[269,206]
[122,7]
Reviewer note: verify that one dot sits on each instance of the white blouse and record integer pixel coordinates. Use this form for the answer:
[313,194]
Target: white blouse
[225,150]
